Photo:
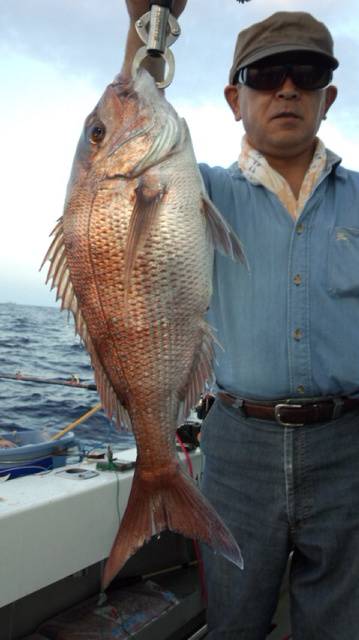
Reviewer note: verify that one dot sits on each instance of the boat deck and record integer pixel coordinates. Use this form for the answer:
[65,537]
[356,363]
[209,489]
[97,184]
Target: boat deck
[56,530]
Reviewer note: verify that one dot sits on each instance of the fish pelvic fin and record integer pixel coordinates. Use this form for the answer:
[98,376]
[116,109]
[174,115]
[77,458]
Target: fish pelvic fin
[223,237]
[148,195]
[171,501]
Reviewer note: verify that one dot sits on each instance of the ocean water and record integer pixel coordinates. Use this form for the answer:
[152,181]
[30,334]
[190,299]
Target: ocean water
[41,342]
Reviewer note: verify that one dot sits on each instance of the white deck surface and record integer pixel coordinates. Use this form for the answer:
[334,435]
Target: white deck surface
[52,526]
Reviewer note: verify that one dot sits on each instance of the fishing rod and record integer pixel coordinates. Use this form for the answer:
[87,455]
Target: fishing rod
[76,422]
[73,382]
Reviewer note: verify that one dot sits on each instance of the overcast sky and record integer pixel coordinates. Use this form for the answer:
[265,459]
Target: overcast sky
[56,57]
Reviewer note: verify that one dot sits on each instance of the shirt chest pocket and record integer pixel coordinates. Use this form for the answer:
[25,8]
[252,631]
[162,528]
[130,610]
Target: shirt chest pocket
[343,262]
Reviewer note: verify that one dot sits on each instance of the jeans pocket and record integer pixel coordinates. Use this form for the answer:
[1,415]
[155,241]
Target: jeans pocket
[343,262]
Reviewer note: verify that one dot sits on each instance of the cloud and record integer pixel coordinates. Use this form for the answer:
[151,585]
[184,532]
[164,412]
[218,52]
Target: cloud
[57,57]
[89,37]
[345,145]
[45,119]
[215,135]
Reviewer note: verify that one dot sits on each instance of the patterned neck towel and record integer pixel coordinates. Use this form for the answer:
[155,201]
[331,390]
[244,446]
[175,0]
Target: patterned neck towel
[257,170]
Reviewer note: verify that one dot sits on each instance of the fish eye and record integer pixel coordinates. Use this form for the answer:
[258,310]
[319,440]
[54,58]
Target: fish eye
[97,132]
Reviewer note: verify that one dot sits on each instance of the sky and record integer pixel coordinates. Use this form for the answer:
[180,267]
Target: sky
[57,56]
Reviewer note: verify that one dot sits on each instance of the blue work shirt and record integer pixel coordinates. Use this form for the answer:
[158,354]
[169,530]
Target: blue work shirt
[288,325]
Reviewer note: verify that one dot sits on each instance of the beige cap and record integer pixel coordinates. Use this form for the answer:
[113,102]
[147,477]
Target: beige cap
[283,31]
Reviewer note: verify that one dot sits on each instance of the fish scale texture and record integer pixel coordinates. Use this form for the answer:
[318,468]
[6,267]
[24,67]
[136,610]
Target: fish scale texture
[147,347]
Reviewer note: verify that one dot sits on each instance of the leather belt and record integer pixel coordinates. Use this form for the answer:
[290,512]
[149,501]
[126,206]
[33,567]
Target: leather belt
[294,412]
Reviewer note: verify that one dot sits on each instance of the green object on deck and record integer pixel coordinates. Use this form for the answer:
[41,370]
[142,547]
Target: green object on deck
[114,466]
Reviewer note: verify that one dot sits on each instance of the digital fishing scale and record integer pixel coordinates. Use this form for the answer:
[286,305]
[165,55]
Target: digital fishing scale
[158,30]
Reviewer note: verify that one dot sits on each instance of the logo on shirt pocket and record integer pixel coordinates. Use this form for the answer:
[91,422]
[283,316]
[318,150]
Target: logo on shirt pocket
[343,262]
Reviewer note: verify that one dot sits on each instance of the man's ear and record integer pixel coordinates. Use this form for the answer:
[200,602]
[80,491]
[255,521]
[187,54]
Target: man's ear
[330,96]
[231,93]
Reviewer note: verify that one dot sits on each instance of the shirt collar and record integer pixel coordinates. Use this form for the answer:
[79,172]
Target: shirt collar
[257,170]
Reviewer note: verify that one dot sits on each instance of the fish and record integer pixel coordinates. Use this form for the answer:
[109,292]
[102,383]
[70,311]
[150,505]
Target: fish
[132,259]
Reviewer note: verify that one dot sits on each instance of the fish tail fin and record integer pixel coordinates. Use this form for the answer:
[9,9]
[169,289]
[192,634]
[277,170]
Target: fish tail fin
[175,503]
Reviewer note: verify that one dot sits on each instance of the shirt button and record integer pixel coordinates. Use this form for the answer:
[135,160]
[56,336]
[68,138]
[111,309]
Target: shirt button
[300,388]
[297,334]
[297,279]
[300,228]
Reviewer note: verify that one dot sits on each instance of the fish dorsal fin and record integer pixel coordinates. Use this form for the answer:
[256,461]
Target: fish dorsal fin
[148,196]
[201,373]
[223,236]
[59,275]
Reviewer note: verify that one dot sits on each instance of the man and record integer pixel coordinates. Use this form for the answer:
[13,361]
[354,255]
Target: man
[282,440]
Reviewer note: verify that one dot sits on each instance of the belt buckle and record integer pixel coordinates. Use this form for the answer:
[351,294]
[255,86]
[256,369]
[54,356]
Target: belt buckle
[287,405]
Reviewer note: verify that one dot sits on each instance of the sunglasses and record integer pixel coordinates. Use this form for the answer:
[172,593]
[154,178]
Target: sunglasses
[308,77]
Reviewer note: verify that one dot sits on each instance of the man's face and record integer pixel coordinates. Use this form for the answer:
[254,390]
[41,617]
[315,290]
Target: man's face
[282,122]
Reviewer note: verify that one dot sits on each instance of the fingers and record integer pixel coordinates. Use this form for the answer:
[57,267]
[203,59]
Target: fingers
[136,8]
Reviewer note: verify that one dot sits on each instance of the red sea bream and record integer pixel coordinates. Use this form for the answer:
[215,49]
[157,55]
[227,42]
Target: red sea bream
[132,258]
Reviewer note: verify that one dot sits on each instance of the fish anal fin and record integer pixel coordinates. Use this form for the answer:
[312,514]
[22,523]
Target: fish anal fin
[223,236]
[201,371]
[148,195]
[174,503]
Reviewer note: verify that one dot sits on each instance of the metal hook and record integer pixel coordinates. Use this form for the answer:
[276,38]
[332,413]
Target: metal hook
[167,56]
[158,29]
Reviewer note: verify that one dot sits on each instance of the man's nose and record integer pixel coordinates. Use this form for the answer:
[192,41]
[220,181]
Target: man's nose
[288,90]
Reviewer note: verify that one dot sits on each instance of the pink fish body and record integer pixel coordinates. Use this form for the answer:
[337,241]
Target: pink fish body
[132,258]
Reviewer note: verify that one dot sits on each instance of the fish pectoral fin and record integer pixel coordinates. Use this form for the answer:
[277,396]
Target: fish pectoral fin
[174,503]
[223,236]
[149,193]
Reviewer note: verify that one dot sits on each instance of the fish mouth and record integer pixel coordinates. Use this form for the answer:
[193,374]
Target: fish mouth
[123,86]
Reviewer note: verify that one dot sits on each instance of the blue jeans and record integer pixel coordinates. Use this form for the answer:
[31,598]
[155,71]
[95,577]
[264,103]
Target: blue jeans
[283,489]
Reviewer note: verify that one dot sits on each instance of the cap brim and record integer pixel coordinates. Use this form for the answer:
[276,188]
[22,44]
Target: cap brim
[271,51]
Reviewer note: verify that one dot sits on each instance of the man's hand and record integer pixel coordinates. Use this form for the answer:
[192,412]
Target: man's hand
[136,8]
